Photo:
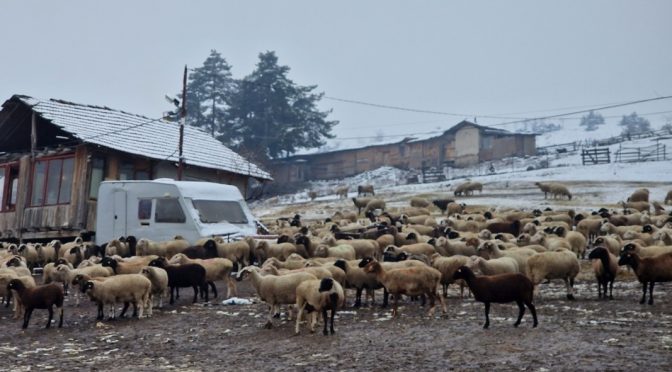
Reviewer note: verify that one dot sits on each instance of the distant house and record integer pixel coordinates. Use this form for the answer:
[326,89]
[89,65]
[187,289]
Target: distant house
[54,154]
[462,145]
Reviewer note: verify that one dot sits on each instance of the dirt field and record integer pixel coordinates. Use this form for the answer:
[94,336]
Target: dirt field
[586,334]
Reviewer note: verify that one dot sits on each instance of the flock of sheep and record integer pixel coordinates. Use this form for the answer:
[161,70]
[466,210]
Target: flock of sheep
[501,255]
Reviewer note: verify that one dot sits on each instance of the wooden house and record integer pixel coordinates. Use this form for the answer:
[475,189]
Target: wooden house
[463,145]
[54,154]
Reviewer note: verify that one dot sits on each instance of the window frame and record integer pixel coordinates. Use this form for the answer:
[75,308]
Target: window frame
[6,186]
[48,161]
[91,169]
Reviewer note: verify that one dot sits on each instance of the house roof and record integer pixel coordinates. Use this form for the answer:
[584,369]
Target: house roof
[142,136]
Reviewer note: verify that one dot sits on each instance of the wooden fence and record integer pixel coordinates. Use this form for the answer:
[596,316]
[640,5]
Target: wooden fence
[655,152]
[598,155]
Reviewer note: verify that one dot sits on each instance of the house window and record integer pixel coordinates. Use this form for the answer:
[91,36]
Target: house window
[126,171]
[486,143]
[52,181]
[142,175]
[168,210]
[97,175]
[3,186]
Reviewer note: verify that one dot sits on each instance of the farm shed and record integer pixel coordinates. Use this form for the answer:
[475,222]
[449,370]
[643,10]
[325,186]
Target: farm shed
[463,145]
[54,154]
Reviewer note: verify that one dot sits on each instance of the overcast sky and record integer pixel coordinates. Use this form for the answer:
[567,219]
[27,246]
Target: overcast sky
[473,58]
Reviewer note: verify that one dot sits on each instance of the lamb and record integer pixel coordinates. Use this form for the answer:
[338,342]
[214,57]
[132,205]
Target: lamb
[649,270]
[502,288]
[274,290]
[159,279]
[495,266]
[128,288]
[318,295]
[187,275]
[342,192]
[561,264]
[312,195]
[605,267]
[215,269]
[42,297]
[411,281]
[365,189]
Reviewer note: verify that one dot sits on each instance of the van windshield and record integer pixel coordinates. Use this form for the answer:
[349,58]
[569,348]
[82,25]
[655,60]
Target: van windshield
[214,211]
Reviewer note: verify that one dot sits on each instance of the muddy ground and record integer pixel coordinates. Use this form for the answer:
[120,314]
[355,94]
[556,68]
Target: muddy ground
[586,334]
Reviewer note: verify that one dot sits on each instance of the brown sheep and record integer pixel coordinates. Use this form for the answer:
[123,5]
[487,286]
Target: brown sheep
[649,270]
[639,195]
[365,189]
[342,192]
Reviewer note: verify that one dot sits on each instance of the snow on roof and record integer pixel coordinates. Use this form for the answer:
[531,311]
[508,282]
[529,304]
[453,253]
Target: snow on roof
[139,135]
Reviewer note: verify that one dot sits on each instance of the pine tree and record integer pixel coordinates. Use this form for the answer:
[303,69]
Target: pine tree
[273,117]
[592,121]
[634,124]
[209,93]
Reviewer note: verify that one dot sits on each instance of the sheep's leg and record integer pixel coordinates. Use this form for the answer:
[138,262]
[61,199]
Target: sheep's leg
[214,289]
[269,321]
[487,315]
[204,287]
[231,287]
[533,310]
[125,308]
[444,308]
[611,289]
[196,288]
[298,318]
[651,293]
[445,290]
[521,311]
[7,298]
[569,283]
[326,320]
[599,289]
[51,316]
[101,312]
[358,297]
[394,306]
[26,317]
[140,304]
[172,300]
[432,303]
[386,298]
[60,320]
[641,302]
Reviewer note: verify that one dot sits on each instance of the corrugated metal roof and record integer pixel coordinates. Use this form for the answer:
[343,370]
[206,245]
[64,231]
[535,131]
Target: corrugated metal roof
[139,135]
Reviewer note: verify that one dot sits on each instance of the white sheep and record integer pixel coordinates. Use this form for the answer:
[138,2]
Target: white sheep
[159,279]
[562,264]
[494,266]
[215,269]
[318,295]
[127,288]
[274,290]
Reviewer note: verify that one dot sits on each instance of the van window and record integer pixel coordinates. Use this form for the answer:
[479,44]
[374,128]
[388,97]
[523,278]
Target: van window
[213,211]
[168,210]
[144,209]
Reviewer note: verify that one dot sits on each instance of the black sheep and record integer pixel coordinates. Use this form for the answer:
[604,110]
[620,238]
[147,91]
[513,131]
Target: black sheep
[187,275]
[42,297]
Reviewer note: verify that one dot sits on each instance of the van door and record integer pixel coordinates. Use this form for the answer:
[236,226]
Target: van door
[119,218]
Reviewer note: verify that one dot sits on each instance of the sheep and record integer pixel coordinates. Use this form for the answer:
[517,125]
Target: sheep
[374,204]
[337,273]
[215,269]
[68,274]
[611,242]
[411,281]
[187,275]
[280,251]
[474,186]
[504,227]
[418,248]
[639,195]
[447,266]
[127,288]
[27,281]
[649,251]
[344,251]
[649,270]
[29,252]
[42,297]
[342,192]
[274,290]
[577,242]
[609,228]
[502,265]
[589,228]
[451,247]
[127,267]
[238,252]
[443,204]
[363,247]
[344,215]
[668,198]
[167,249]
[544,187]
[489,250]
[46,254]
[357,279]
[502,288]
[461,189]
[557,189]
[294,261]
[312,195]
[420,202]
[365,189]
[318,295]
[562,264]
[605,267]
[117,247]
[207,250]
[641,206]
[159,279]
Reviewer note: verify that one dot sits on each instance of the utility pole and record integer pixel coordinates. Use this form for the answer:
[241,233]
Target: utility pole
[183,119]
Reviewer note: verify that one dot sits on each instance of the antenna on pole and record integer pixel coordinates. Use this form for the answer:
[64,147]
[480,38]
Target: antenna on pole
[183,119]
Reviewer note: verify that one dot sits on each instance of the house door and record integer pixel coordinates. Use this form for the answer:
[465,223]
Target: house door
[119,217]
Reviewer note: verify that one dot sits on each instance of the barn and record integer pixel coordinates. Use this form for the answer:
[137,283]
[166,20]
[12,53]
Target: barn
[54,154]
[462,145]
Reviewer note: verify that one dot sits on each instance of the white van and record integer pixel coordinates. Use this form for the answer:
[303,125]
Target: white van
[162,208]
